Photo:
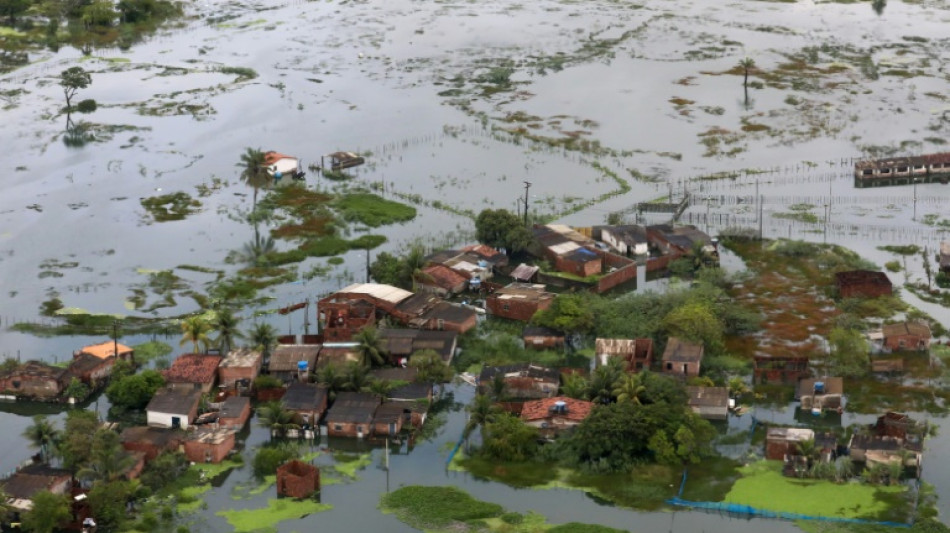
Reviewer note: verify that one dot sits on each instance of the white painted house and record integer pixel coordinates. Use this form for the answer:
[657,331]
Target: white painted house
[173,408]
[628,240]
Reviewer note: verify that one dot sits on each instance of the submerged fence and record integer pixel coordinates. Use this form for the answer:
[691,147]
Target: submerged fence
[748,510]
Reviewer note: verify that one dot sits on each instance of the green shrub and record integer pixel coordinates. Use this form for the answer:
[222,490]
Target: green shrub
[86,106]
[267,382]
[893,266]
[269,458]
[512,518]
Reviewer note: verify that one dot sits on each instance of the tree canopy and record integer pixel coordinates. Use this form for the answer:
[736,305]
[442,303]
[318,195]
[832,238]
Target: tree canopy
[135,391]
[501,228]
[71,80]
[49,512]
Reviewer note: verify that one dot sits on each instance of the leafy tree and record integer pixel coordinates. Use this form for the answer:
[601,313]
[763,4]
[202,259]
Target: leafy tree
[330,377]
[12,9]
[480,412]
[108,503]
[572,313]
[108,460]
[664,452]
[42,435]
[604,380]
[49,512]
[501,228]
[195,330]
[849,353]
[6,510]
[272,415]
[507,438]
[263,337]
[412,265]
[928,268]
[99,13]
[268,458]
[388,270]
[135,391]
[71,80]
[696,322]
[226,325]
[576,386]
[253,167]
[75,447]
[77,389]
[357,377]
[430,367]
[630,388]
[370,347]
[164,469]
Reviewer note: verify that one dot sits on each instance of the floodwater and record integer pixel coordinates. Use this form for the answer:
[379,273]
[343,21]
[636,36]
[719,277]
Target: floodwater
[650,87]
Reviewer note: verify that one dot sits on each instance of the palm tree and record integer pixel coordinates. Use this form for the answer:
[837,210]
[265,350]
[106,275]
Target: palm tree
[630,388]
[497,387]
[42,435]
[605,379]
[575,386]
[272,415]
[746,64]
[481,411]
[264,337]
[256,250]
[225,324]
[808,450]
[381,388]
[413,264]
[194,330]
[357,378]
[253,167]
[370,347]
[108,460]
[331,378]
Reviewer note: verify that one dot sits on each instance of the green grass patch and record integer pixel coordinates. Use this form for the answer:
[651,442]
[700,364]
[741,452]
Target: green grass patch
[526,474]
[646,487]
[372,210]
[349,464]
[763,486]
[436,508]
[169,207]
[266,519]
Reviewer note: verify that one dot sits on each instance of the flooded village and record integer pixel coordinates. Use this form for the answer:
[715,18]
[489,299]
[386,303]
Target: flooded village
[565,267]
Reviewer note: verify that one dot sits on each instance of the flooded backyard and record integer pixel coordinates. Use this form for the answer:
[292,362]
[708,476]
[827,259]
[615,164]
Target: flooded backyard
[599,104]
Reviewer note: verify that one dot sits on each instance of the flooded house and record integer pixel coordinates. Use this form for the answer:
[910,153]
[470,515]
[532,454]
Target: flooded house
[568,250]
[637,353]
[105,350]
[818,394]
[626,240]
[347,311]
[679,240]
[525,273]
[306,400]
[89,369]
[782,442]
[209,444]
[235,412]
[681,358]
[863,284]
[389,417]
[351,415]
[173,408]
[293,362]
[893,438]
[518,301]
[280,165]
[542,338]
[943,257]
[26,482]
[711,403]
[441,281]
[555,416]
[151,441]
[486,253]
[33,380]
[779,369]
[522,380]
[902,170]
[400,344]
[296,479]
[342,160]
[239,368]
[193,371]
[906,336]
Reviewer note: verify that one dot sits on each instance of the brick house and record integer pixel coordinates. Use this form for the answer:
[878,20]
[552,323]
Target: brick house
[105,350]
[209,445]
[906,336]
[400,344]
[682,358]
[240,366]
[522,380]
[780,442]
[235,411]
[389,419]
[445,316]
[151,441]
[89,369]
[627,239]
[33,379]
[173,408]
[711,403]
[638,353]
[285,361]
[542,338]
[193,371]
[777,369]
[22,486]
[441,280]
[553,416]
[863,284]
[307,400]
[355,307]
[351,414]
[297,479]
[518,301]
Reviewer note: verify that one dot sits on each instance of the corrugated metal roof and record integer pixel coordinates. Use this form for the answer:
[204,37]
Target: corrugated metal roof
[564,247]
[379,291]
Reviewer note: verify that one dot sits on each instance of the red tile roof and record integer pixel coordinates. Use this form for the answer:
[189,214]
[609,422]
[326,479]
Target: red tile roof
[444,276]
[193,368]
[577,410]
[272,157]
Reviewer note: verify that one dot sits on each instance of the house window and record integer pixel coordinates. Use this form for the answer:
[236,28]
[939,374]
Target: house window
[505,307]
[440,324]
[669,366]
[900,343]
[337,427]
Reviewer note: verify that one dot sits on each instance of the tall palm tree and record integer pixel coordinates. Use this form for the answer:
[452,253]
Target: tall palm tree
[605,379]
[497,387]
[746,64]
[272,415]
[330,377]
[43,435]
[413,264]
[575,386]
[263,337]
[108,460]
[381,388]
[225,324]
[630,388]
[481,411]
[194,330]
[357,378]
[255,251]
[254,170]
[370,347]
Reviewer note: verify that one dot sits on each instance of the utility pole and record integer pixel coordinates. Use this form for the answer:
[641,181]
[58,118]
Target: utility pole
[115,339]
[527,185]
[367,265]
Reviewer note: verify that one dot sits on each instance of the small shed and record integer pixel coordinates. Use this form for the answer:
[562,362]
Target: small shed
[285,361]
[341,160]
[780,442]
[279,165]
[711,403]
[209,445]
[522,380]
[682,358]
[235,411]
[297,479]
[240,367]
[945,256]
[525,273]
[173,408]
[308,400]
[518,301]
[441,280]
[105,350]
[638,353]
[389,419]
[351,414]
[89,369]
[151,441]
[906,336]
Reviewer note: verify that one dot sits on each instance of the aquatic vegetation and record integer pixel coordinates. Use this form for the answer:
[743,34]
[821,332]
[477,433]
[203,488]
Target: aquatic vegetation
[267,518]
[170,207]
[372,210]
